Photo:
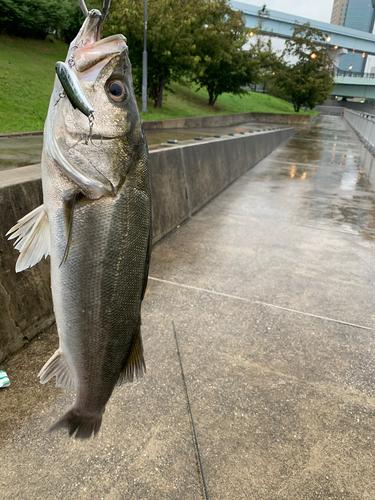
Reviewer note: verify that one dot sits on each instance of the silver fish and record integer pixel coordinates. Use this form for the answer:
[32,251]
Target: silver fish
[95,223]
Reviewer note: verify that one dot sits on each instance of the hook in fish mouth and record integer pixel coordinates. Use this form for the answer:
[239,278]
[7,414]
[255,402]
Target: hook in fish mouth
[106,4]
[89,36]
[91,30]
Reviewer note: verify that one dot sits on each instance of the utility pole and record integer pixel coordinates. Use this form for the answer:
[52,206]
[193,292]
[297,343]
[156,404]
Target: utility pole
[144,63]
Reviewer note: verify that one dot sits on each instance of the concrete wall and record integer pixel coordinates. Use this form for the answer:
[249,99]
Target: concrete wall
[212,121]
[227,120]
[183,179]
[25,298]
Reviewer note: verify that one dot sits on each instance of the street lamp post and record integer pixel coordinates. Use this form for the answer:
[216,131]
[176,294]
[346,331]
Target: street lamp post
[144,63]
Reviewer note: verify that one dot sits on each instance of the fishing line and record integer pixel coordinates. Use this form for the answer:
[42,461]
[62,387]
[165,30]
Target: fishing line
[191,415]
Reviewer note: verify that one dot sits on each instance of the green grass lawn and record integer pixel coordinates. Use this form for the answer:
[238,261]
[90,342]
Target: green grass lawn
[27,69]
[182,101]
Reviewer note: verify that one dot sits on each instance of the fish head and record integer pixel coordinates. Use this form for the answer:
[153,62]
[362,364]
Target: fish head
[102,147]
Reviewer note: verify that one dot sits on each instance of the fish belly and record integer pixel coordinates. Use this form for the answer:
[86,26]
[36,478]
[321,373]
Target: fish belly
[97,292]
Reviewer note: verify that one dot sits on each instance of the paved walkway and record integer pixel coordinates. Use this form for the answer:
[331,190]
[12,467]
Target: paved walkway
[269,291]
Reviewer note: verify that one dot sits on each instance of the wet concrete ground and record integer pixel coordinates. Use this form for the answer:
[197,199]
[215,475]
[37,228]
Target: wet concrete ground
[27,150]
[270,289]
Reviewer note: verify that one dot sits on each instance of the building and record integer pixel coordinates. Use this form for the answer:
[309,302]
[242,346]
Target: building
[358,15]
[339,11]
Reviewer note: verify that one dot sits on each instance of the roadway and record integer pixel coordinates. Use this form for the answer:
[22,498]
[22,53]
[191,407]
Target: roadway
[269,291]
[280,24]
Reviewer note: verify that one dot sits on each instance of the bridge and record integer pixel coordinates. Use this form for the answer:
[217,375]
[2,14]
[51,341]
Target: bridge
[360,85]
[340,40]
[280,24]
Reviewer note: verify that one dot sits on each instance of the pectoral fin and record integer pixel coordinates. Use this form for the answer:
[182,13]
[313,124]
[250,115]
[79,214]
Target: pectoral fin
[69,206]
[32,238]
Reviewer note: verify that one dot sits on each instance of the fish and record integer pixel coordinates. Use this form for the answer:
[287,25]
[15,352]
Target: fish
[95,223]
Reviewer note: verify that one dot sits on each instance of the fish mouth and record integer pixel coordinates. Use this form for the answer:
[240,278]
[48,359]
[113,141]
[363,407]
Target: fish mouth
[94,18]
[88,49]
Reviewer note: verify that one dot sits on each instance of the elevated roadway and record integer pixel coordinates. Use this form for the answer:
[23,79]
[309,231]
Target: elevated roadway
[339,40]
[280,24]
[347,86]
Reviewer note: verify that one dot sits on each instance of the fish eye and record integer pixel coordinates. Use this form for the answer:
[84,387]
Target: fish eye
[116,90]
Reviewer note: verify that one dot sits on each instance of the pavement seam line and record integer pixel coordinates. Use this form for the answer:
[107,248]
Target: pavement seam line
[200,468]
[243,299]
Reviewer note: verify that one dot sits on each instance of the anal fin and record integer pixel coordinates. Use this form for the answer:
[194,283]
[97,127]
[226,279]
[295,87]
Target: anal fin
[135,364]
[32,238]
[57,365]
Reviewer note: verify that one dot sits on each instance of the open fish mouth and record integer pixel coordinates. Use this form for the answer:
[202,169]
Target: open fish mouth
[95,17]
[88,49]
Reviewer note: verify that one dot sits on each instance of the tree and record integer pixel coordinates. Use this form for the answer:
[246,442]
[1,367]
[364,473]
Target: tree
[269,61]
[309,80]
[38,18]
[170,40]
[221,63]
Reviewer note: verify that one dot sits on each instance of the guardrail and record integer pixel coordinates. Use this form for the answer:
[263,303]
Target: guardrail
[364,126]
[329,110]
[354,74]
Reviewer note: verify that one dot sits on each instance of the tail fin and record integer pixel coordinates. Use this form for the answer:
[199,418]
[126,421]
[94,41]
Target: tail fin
[84,423]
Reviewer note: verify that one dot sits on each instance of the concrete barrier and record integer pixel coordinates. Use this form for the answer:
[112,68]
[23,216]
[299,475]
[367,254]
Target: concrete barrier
[25,298]
[228,120]
[212,121]
[183,179]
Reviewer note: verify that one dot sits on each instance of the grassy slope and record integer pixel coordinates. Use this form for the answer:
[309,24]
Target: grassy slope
[182,102]
[26,82]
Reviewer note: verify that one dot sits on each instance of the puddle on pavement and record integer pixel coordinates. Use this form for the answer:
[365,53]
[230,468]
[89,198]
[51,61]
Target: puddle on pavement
[334,176]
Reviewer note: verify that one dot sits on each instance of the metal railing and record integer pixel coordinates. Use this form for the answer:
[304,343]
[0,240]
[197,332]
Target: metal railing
[329,110]
[353,74]
[364,125]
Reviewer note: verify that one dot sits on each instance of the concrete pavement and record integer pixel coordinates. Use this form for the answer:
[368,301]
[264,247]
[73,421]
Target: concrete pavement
[270,288]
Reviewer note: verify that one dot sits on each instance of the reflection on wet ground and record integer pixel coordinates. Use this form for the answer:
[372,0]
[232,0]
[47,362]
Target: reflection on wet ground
[336,176]
[26,150]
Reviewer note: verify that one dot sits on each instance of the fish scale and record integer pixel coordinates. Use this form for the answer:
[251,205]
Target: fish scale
[95,223]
